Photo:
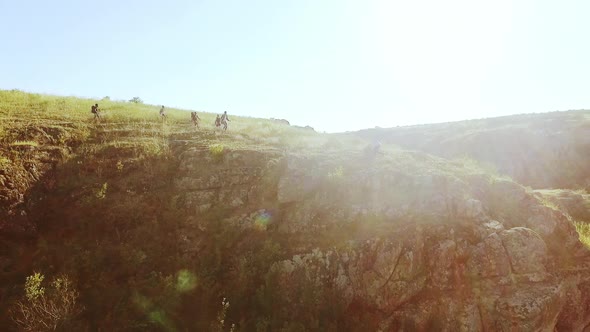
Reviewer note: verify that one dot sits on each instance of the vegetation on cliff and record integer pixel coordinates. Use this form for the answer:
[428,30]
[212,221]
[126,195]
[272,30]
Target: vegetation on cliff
[159,226]
[546,150]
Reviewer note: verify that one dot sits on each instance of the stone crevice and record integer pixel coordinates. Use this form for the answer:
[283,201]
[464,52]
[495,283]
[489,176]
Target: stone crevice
[399,257]
[508,256]
[479,311]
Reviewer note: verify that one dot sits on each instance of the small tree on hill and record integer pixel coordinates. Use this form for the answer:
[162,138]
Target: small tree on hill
[44,309]
[136,100]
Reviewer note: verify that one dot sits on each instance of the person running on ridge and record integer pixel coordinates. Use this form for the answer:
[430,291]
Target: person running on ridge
[162,113]
[195,119]
[224,120]
[217,121]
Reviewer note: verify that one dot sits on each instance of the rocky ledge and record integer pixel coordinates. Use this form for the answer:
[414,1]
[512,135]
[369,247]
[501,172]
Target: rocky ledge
[410,240]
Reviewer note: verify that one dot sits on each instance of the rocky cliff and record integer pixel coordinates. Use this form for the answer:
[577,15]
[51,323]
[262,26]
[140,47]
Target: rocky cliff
[157,223]
[27,153]
[418,242]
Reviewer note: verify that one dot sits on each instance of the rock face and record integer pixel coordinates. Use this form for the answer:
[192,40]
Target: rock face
[25,172]
[417,242]
[230,178]
[233,182]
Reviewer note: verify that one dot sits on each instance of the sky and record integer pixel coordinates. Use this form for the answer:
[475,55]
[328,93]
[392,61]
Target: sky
[336,65]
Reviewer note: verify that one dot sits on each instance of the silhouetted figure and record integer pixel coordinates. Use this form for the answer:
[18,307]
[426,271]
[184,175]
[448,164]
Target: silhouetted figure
[217,121]
[224,120]
[372,149]
[195,119]
[376,147]
[96,111]
[163,113]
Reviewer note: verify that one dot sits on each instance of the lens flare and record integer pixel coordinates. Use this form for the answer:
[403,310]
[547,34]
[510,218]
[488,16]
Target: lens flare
[141,302]
[185,281]
[261,222]
[160,318]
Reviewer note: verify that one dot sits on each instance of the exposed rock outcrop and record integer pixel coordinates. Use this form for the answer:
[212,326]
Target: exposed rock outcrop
[25,168]
[231,179]
[429,245]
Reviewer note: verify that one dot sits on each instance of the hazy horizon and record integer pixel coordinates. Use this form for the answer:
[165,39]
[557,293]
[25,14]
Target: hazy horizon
[335,65]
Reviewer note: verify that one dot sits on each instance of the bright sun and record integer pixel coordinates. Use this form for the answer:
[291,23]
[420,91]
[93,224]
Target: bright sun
[439,52]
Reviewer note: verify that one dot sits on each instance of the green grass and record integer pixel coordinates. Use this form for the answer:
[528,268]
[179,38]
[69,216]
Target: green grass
[548,200]
[24,143]
[216,151]
[120,119]
[584,232]
[574,202]
[4,162]
[16,105]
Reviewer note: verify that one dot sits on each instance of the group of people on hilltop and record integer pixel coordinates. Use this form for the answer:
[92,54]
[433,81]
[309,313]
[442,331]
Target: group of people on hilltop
[195,119]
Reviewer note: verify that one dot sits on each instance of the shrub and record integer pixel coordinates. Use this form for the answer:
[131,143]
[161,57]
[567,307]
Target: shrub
[102,192]
[216,151]
[44,309]
[136,100]
[33,289]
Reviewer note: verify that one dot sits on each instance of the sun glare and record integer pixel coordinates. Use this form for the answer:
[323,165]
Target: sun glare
[439,53]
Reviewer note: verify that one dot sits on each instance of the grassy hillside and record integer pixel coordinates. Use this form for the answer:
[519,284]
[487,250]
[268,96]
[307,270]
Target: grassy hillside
[60,126]
[548,150]
[37,132]
[18,107]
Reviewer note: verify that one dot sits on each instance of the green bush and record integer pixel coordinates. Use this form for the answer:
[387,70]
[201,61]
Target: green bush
[216,151]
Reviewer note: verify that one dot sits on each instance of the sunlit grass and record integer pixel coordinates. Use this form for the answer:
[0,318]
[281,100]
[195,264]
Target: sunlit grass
[574,202]
[216,151]
[122,118]
[24,143]
[545,199]
[4,162]
[584,232]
